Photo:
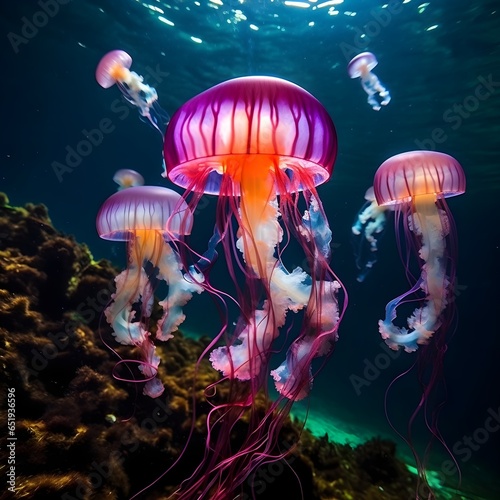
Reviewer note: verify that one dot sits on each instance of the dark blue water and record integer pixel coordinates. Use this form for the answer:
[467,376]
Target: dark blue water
[439,59]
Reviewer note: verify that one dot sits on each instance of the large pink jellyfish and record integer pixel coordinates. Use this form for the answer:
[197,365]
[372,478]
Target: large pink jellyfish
[262,145]
[150,219]
[417,184]
[114,68]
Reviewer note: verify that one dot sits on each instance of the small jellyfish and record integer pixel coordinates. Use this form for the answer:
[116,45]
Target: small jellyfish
[113,68]
[126,178]
[416,184]
[368,228]
[361,66]
[153,221]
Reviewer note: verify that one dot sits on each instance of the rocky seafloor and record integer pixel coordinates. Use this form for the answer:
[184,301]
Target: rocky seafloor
[81,434]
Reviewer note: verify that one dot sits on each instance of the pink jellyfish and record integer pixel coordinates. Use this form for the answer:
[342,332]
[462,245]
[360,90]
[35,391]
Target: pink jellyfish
[114,68]
[361,66]
[417,184]
[262,145]
[150,219]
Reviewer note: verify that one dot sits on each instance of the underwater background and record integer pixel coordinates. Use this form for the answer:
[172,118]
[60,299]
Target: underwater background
[432,56]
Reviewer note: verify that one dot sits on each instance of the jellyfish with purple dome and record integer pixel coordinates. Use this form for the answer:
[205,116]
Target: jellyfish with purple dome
[151,220]
[416,184]
[361,66]
[262,145]
[114,68]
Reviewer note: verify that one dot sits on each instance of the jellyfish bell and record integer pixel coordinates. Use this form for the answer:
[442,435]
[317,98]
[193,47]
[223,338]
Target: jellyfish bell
[403,177]
[361,64]
[126,178]
[112,68]
[243,128]
[160,210]
[261,145]
[149,219]
[416,184]
[370,194]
